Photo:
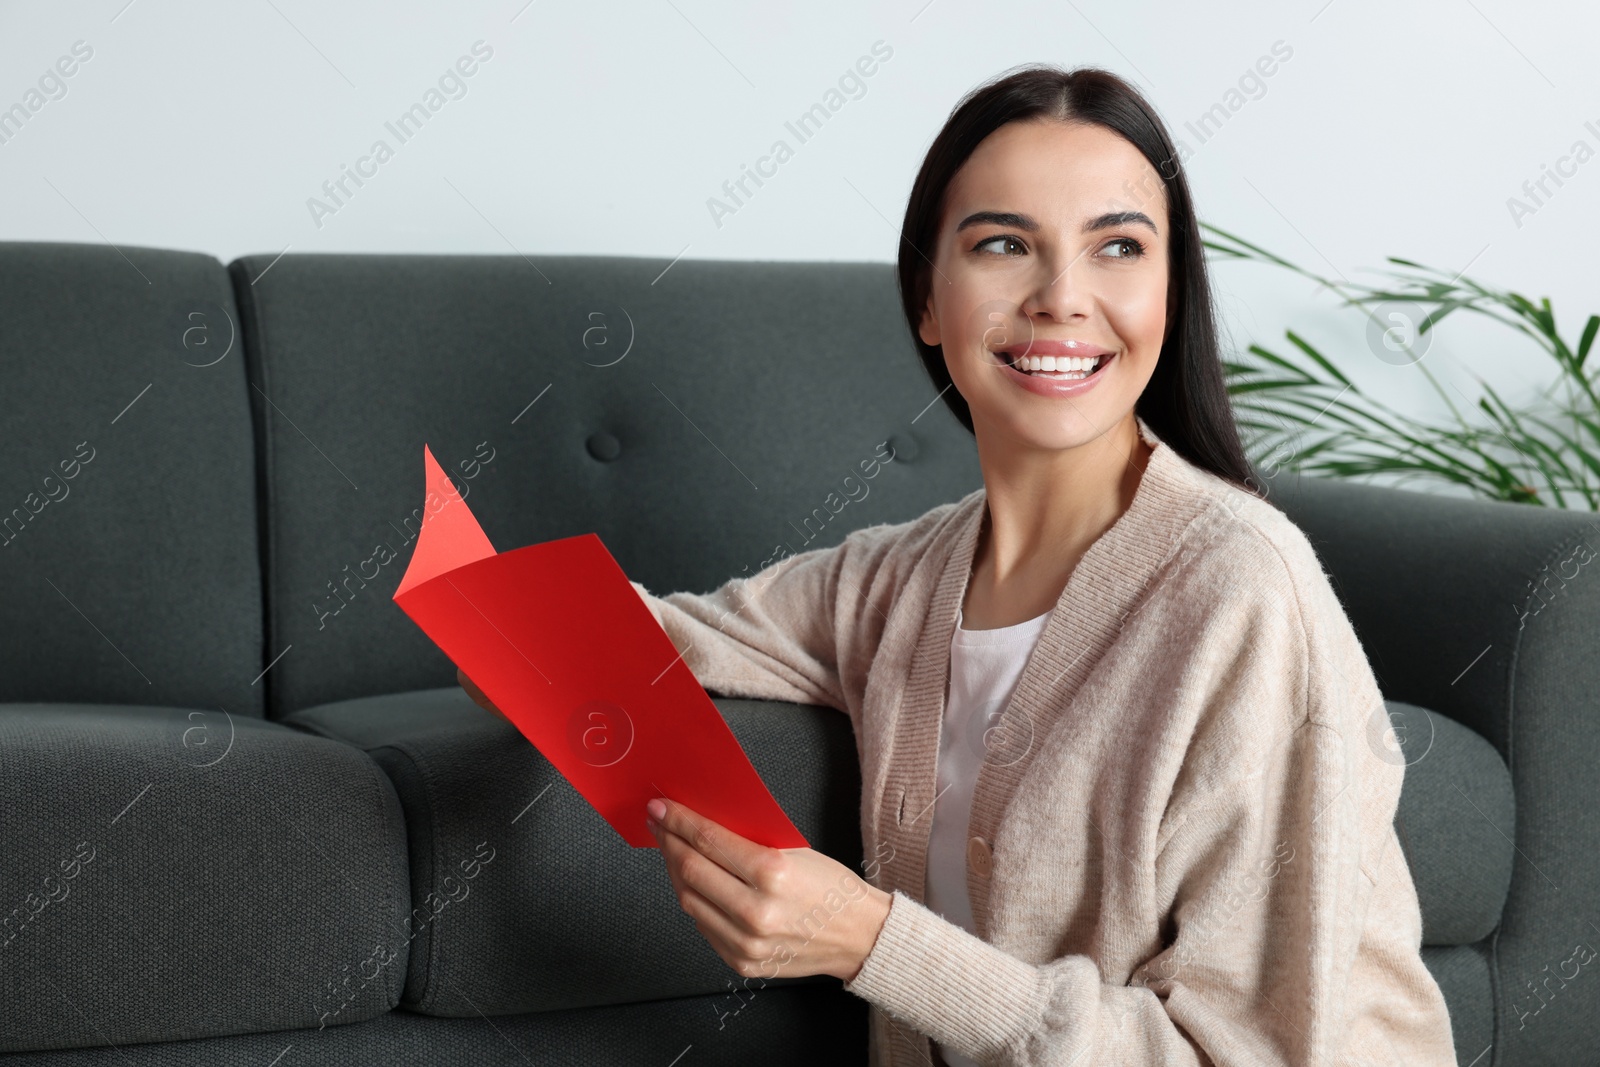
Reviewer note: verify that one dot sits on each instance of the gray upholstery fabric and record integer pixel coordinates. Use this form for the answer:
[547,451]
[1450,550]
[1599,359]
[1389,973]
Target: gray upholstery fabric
[1457,818]
[1489,614]
[750,393]
[237,898]
[566,914]
[797,1026]
[132,577]
[1466,979]
[174,874]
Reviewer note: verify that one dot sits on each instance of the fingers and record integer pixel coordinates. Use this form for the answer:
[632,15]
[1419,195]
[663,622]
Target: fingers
[738,855]
[700,882]
[477,695]
[472,691]
[730,939]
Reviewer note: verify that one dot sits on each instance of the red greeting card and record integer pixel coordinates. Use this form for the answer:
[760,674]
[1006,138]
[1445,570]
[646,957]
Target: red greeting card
[556,636]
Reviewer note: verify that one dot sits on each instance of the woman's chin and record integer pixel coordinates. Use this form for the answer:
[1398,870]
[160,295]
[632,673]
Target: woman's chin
[1014,431]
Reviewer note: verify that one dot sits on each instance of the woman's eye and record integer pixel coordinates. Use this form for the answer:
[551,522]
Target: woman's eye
[1134,248]
[1000,241]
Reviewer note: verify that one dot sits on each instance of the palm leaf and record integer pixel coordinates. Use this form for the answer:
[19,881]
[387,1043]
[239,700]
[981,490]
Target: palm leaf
[1298,406]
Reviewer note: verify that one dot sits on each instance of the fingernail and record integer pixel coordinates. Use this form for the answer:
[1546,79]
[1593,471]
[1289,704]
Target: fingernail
[657,809]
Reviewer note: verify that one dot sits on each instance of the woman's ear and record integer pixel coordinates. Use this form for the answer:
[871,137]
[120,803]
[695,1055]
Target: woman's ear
[928,328]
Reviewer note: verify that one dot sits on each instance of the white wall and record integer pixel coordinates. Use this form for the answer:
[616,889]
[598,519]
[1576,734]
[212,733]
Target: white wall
[1393,129]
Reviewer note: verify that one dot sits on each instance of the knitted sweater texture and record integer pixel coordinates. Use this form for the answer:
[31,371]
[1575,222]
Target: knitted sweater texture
[1182,845]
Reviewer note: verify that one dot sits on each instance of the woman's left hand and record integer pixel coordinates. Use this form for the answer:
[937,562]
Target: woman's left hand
[766,910]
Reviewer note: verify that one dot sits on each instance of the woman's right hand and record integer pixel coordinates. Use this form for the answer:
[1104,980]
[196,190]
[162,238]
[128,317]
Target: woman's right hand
[477,694]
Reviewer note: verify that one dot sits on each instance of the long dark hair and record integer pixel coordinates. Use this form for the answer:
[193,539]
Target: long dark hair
[1186,401]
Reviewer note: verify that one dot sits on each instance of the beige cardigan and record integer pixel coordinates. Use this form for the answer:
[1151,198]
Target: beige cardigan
[1182,847]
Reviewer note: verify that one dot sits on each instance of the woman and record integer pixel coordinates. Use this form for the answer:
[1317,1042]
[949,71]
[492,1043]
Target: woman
[1175,845]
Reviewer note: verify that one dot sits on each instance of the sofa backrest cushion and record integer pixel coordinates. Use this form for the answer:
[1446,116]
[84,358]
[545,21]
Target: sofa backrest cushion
[128,547]
[1457,822]
[698,416]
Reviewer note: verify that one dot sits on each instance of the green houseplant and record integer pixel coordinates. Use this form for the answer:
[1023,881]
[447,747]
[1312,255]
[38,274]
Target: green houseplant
[1299,412]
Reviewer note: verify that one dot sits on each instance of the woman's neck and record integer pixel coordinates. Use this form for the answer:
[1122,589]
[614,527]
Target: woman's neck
[1042,513]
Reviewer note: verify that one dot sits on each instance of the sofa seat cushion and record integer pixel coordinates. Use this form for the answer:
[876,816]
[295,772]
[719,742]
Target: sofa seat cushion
[1457,824]
[174,874]
[797,1027]
[525,898]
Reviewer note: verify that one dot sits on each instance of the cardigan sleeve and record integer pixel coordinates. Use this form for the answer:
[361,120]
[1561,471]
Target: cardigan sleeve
[1267,880]
[767,637]
[802,629]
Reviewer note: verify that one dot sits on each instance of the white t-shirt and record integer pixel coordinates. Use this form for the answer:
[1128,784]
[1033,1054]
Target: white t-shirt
[985,666]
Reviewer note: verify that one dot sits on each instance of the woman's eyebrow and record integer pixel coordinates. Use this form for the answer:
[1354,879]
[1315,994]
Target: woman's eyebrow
[1027,222]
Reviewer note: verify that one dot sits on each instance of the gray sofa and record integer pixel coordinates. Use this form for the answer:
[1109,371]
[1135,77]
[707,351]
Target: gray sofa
[249,818]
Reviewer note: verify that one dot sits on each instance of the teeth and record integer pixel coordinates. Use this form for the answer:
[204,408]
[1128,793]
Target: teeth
[1050,364]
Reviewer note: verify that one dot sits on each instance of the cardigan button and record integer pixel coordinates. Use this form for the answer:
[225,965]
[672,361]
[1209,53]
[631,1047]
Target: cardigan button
[979,856]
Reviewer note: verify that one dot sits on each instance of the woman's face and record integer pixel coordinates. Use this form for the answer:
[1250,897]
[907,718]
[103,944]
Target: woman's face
[1052,232]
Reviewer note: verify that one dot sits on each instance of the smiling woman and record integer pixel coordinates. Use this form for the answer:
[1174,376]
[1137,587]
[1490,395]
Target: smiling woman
[1052,271]
[1174,844]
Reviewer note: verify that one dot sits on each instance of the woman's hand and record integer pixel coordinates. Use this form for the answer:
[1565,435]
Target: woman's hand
[766,910]
[477,694]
